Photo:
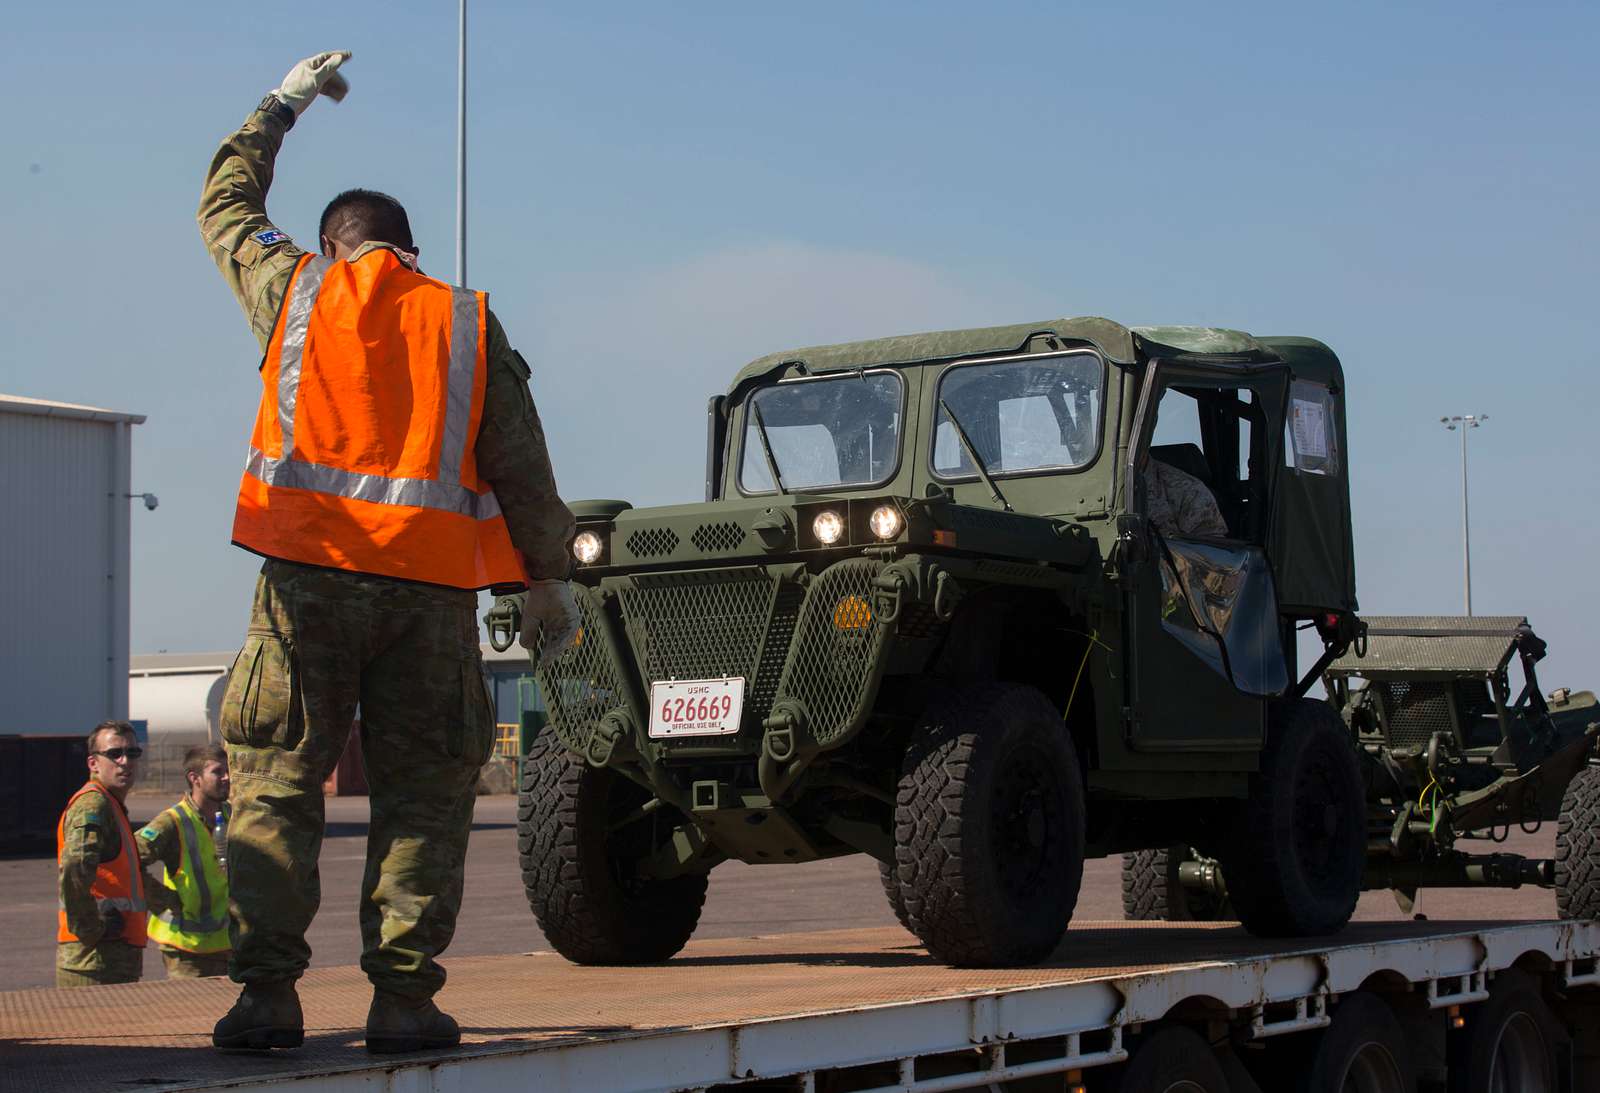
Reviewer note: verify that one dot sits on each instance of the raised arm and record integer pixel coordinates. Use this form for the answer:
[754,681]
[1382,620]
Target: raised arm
[255,257]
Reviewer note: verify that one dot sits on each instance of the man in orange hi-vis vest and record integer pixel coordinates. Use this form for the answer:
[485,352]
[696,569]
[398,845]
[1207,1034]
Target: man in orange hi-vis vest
[100,931]
[397,465]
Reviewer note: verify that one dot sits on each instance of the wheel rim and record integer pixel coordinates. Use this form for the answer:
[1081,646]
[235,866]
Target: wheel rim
[1521,1060]
[1372,1069]
[1028,824]
[1184,1085]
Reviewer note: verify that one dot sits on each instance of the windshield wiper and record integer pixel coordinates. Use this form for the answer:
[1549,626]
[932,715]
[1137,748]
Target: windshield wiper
[972,454]
[766,445]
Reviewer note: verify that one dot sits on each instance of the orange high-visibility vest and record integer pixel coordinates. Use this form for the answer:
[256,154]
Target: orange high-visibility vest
[362,457]
[118,885]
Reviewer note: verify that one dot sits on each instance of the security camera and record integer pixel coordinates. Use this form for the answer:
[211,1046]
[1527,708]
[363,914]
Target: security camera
[150,501]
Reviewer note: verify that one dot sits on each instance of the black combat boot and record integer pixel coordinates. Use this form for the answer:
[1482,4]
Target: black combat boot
[267,1015]
[396,1023]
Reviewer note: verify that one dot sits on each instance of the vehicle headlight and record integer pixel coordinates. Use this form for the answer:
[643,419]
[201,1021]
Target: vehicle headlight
[586,547]
[886,521]
[828,527]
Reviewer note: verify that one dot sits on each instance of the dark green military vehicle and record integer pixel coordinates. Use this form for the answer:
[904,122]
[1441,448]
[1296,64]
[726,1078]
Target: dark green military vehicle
[1457,742]
[922,615]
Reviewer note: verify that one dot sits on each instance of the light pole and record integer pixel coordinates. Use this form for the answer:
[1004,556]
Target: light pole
[1465,422]
[461,152]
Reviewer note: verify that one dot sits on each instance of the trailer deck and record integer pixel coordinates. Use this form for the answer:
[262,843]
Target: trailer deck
[728,1011]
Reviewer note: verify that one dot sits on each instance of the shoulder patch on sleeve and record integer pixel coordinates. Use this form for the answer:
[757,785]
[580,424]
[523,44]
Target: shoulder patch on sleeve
[266,237]
[149,833]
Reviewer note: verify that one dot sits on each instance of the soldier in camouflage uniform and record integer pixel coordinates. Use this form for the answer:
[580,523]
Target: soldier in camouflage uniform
[321,641]
[1179,504]
[90,836]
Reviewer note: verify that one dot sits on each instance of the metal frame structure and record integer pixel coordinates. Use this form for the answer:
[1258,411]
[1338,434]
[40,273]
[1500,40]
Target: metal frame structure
[1083,1024]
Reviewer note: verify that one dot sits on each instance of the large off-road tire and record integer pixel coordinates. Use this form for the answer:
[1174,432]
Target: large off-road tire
[579,875]
[1151,891]
[1578,848]
[891,888]
[1510,1042]
[1295,859]
[989,827]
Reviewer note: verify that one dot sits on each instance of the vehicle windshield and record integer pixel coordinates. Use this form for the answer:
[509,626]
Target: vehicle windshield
[1022,415]
[835,431]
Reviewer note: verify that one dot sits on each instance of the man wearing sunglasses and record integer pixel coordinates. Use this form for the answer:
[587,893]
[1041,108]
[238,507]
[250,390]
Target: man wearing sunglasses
[100,935]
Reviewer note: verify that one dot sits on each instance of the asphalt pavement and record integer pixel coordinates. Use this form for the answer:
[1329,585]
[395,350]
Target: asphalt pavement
[744,900]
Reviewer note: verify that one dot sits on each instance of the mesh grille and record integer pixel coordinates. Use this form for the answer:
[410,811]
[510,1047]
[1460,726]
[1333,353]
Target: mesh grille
[1416,710]
[584,683]
[717,538]
[838,640]
[649,542]
[785,613]
[702,625]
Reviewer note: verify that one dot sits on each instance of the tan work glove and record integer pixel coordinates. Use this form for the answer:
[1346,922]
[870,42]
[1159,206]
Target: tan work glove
[549,620]
[314,76]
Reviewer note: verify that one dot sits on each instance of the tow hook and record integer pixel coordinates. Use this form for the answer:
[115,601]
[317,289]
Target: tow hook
[504,622]
[611,730]
[946,594]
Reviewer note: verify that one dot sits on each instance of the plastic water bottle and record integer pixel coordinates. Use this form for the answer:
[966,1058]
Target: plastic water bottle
[219,838]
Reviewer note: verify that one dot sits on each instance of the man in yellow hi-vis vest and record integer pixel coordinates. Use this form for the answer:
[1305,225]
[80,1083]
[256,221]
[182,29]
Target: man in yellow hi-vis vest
[189,909]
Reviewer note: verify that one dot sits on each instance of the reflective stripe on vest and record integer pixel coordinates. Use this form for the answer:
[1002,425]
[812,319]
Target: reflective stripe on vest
[118,884]
[387,485]
[200,923]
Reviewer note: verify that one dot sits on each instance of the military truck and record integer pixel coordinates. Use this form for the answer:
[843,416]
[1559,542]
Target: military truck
[922,614]
[1457,741]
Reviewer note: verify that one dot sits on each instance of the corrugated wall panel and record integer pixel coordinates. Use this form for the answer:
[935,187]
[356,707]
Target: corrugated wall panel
[59,573]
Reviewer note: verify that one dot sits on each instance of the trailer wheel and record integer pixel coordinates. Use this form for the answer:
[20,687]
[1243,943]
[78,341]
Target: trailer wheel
[891,888]
[1172,1059]
[1295,861]
[1509,1042]
[579,873]
[1152,892]
[1364,1050]
[989,827]
[1578,848]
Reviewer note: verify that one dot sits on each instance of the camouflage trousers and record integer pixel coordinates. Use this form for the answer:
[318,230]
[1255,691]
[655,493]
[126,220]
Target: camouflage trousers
[80,965]
[186,965]
[321,644]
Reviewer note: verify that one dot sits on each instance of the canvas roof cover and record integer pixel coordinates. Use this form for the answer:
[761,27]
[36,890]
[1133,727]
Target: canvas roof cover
[1432,643]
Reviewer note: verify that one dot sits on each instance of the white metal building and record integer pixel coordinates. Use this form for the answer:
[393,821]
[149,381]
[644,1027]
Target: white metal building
[65,480]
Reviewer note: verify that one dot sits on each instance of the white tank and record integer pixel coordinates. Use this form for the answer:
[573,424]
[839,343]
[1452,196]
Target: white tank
[179,698]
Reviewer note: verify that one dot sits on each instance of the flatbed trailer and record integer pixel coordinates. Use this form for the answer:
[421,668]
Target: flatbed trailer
[868,1010]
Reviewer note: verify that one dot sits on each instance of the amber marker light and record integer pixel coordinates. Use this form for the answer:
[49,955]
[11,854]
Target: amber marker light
[852,613]
[586,547]
[886,521]
[828,527]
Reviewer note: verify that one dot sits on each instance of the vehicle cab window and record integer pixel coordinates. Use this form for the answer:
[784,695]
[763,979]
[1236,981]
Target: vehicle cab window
[1022,415]
[840,431]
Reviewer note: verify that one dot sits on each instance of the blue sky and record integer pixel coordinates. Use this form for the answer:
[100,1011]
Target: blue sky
[663,192]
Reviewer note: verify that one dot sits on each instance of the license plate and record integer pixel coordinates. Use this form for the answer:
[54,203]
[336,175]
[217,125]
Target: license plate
[696,707]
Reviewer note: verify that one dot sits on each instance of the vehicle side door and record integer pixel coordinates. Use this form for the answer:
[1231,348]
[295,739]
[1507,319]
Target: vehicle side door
[1204,636]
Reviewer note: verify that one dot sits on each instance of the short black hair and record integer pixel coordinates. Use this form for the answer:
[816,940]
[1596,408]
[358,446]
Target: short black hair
[359,216]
